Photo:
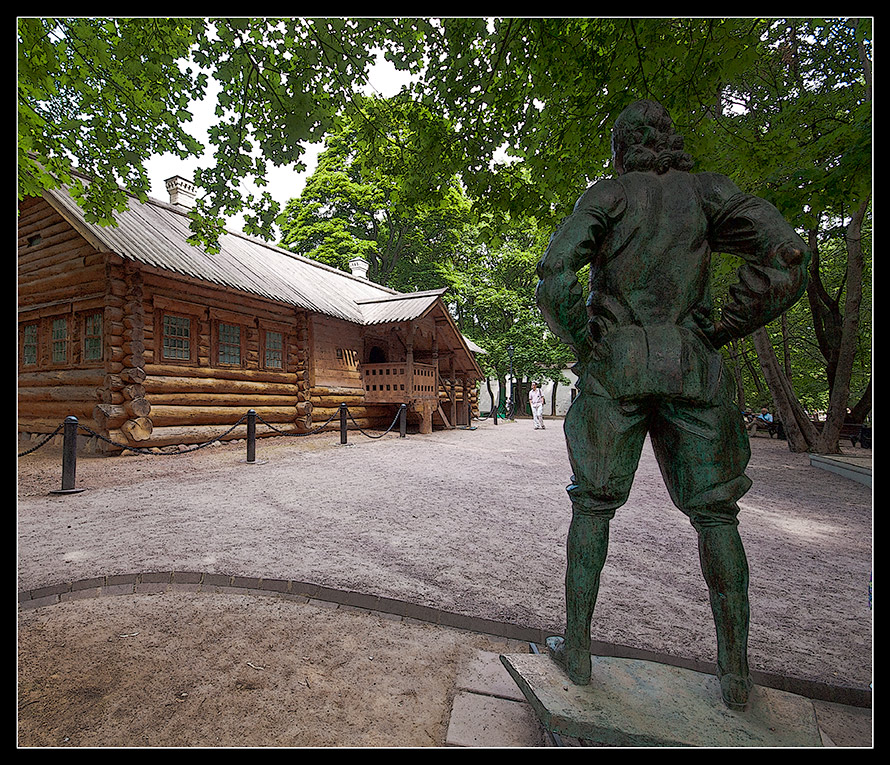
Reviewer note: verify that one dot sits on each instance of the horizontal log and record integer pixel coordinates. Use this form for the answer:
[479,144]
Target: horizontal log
[157,384]
[139,429]
[61,283]
[208,372]
[58,393]
[165,416]
[70,249]
[57,410]
[137,407]
[47,264]
[110,416]
[244,401]
[135,375]
[134,391]
[93,376]
[108,396]
[48,425]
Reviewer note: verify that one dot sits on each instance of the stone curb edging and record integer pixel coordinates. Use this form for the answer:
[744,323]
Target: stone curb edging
[152,582]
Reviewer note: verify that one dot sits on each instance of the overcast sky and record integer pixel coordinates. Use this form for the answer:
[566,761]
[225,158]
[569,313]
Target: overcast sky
[284,182]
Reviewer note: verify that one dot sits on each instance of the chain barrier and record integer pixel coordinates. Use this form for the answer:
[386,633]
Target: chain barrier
[151,450]
[157,452]
[44,441]
[71,428]
[381,435]
[307,433]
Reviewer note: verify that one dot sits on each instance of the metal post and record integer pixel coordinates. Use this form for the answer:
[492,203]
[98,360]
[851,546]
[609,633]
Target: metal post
[342,423]
[251,435]
[403,409]
[69,457]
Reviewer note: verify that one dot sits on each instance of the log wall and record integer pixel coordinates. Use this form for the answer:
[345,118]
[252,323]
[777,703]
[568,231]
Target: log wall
[61,278]
[195,399]
[131,394]
[337,349]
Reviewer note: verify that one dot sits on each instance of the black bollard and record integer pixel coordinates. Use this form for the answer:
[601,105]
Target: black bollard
[251,435]
[69,457]
[342,423]
[403,409]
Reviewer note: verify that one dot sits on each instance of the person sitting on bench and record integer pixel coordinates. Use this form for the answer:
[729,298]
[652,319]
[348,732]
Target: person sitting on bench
[764,421]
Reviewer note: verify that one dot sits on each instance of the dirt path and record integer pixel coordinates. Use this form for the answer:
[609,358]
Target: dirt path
[472,522]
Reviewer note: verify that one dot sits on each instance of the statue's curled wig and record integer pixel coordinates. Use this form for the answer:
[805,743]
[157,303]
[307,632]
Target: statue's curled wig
[643,139]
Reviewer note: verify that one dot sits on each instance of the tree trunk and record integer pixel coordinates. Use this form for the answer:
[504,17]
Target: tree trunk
[799,431]
[862,409]
[737,373]
[846,351]
[827,319]
[786,349]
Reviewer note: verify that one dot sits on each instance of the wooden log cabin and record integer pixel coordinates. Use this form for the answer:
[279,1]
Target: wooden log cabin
[150,341]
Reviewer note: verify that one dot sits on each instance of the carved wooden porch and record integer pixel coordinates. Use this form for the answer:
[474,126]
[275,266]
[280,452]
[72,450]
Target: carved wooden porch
[413,383]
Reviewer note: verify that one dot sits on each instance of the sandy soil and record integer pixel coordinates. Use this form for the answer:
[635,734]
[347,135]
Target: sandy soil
[472,522]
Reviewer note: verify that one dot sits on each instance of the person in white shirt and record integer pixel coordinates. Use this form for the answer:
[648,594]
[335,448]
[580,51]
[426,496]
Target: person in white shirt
[536,399]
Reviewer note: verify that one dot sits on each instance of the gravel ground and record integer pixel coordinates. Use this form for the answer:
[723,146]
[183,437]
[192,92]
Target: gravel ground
[468,521]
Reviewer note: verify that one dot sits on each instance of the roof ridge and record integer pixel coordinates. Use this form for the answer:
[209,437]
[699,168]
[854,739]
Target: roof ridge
[403,296]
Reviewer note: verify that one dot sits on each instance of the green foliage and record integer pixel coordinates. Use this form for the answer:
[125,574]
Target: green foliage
[796,125]
[102,95]
[543,90]
[371,197]
[492,297]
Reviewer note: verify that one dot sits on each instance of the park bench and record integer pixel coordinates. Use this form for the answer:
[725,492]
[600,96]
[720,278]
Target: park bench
[855,432]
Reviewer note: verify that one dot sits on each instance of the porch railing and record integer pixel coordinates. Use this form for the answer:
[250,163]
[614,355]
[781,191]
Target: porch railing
[391,384]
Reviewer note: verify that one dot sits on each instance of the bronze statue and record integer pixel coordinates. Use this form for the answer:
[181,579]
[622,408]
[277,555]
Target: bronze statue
[649,362]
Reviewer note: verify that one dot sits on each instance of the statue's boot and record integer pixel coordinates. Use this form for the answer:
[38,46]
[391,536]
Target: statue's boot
[575,662]
[588,542]
[725,569]
[735,690]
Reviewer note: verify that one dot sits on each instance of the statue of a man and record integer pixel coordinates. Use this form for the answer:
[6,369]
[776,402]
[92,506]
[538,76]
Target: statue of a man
[649,362]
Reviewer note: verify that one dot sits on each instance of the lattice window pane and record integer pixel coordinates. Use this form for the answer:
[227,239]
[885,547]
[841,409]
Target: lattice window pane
[92,337]
[229,344]
[274,350]
[29,344]
[60,341]
[177,337]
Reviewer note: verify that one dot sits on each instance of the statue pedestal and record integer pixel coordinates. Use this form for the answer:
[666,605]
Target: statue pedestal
[640,703]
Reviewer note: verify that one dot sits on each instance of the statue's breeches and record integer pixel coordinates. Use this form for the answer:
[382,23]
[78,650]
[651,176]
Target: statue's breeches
[702,451]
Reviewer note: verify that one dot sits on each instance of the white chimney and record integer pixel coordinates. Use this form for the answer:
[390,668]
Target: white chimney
[359,267]
[182,192]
